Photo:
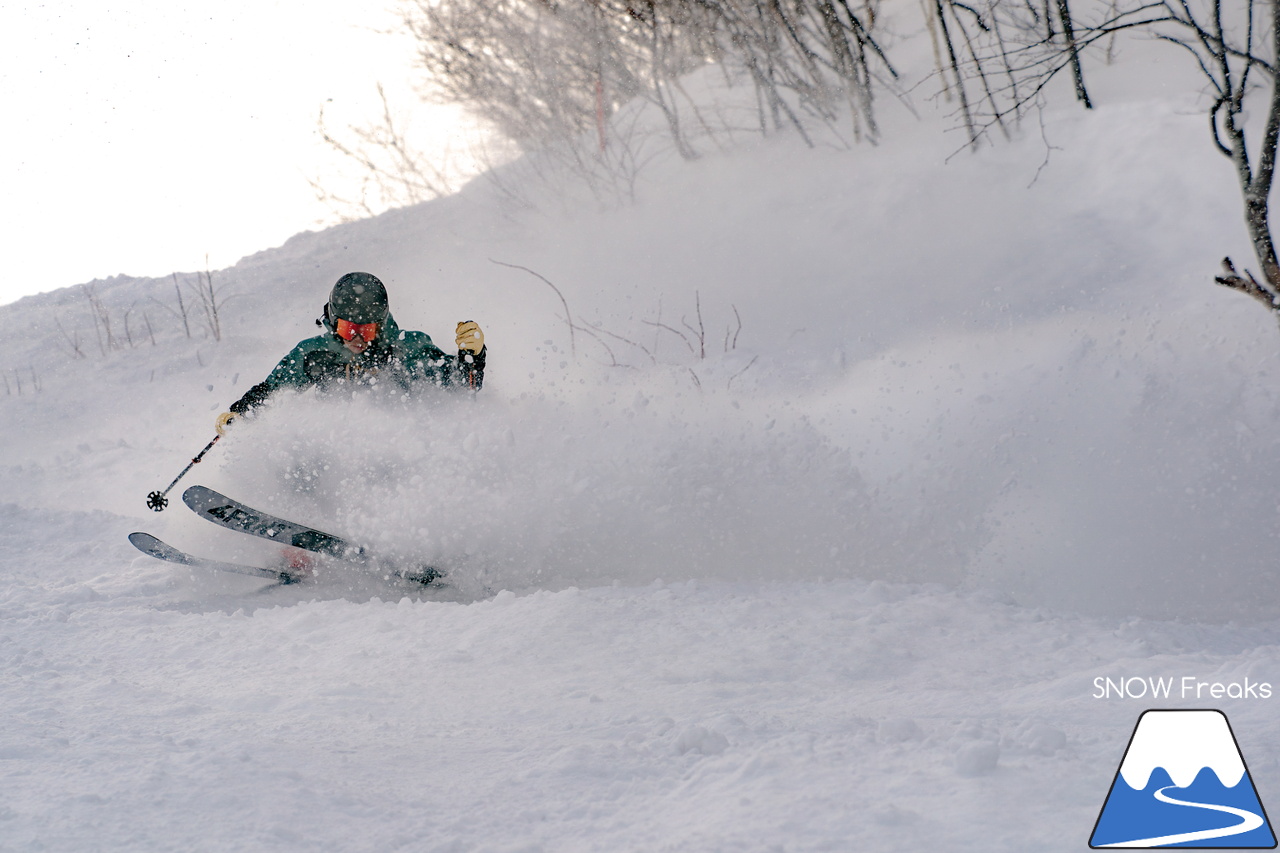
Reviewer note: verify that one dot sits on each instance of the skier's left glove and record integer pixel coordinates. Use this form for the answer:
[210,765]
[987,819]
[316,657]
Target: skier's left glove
[224,420]
[469,337]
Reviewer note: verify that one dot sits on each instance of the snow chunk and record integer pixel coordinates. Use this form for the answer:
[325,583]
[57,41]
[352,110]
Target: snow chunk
[977,759]
[701,739]
[1044,739]
[899,730]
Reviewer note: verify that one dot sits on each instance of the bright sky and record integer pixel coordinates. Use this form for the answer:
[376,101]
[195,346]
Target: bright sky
[143,135]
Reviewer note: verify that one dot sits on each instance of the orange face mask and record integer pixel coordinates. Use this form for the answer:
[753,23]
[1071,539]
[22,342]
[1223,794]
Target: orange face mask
[348,330]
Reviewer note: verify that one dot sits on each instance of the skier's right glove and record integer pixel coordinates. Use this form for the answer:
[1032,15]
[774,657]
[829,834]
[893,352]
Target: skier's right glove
[469,337]
[224,420]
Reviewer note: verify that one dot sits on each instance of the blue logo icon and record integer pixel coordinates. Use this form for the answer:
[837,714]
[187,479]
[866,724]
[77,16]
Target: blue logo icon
[1183,783]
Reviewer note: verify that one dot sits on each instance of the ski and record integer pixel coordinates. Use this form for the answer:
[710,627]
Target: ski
[150,545]
[233,515]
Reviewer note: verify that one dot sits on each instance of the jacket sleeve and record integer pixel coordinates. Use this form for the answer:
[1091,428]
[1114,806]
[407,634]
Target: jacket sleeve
[468,369]
[290,371]
[425,360]
[253,398]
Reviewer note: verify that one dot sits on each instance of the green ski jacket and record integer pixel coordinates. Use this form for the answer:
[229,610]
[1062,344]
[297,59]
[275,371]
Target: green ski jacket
[405,358]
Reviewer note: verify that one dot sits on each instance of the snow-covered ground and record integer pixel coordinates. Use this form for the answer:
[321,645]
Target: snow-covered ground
[968,435]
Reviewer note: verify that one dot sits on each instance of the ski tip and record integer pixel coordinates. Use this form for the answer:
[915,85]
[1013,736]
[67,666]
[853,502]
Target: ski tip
[195,494]
[154,547]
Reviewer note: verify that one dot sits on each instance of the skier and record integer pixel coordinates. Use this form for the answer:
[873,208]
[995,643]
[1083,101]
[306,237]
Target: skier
[363,341]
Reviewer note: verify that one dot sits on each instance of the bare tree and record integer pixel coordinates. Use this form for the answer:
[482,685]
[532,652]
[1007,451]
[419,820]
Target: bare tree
[393,173]
[128,333]
[101,319]
[72,340]
[1230,73]
[211,301]
[17,378]
[553,76]
[595,89]
[181,313]
[1234,47]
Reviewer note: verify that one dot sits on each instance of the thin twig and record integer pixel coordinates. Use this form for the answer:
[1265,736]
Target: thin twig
[573,348]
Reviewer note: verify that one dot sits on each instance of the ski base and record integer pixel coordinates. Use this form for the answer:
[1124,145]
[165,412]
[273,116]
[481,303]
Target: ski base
[151,546]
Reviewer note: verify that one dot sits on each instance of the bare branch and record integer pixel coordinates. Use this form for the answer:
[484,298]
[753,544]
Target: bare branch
[1247,284]
[573,348]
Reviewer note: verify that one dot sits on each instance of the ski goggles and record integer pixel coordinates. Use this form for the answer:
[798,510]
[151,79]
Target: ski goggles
[347,330]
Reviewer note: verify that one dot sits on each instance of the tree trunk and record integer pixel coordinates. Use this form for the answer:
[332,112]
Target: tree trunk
[1077,74]
[1255,185]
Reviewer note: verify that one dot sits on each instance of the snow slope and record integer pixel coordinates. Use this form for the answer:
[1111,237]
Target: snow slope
[986,433]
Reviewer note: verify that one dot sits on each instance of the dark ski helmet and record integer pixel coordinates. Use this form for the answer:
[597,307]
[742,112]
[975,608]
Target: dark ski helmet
[358,297]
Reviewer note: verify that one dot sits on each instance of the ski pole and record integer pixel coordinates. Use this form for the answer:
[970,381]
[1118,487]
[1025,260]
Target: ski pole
[158,500]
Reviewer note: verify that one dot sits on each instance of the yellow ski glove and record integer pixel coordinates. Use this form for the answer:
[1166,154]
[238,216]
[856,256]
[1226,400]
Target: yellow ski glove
[469,337]
[224,420]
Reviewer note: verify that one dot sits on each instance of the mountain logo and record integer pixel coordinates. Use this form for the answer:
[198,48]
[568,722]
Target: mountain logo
[1183,783]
